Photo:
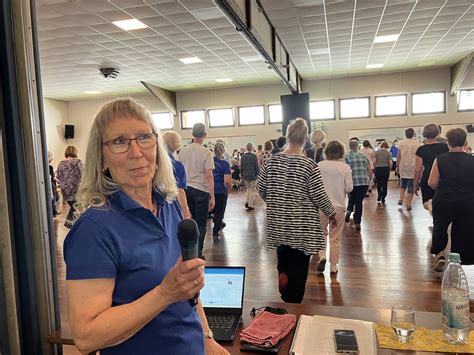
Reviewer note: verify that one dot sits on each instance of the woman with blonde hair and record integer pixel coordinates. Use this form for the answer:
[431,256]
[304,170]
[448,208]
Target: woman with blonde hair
[293,190]
[69,174]
[222,184]
[317,138]
[128,287]
[172,142]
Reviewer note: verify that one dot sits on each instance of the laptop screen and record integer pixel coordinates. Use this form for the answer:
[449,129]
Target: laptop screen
[224,287]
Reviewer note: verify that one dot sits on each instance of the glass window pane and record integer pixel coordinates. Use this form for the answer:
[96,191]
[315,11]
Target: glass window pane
[428,102]
[275,113]
[322,110]
[251,115]
[391,105]
[162,120]
[221,117]
[466,100]
[189,118]
[353,108]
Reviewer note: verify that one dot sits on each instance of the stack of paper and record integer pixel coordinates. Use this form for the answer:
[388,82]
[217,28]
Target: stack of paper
[314,335]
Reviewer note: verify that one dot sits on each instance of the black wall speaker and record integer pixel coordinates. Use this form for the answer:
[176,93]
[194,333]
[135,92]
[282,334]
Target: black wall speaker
[295,106]
[69,131]
[470,128]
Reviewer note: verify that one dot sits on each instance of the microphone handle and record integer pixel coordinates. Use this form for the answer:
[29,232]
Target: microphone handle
[187,254]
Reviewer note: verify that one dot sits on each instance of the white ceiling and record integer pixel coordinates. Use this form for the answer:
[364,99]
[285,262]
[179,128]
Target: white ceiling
[323,37]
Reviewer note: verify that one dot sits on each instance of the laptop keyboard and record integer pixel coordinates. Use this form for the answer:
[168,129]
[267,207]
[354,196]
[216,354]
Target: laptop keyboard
[223,322]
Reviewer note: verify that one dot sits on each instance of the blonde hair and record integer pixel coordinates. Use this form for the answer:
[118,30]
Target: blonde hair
[96,185]
[219,149]
[71,152]
[317,137]
[297,132]
[172,140]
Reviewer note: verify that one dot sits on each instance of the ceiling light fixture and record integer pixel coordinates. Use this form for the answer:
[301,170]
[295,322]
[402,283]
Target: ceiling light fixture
[191,60]
[129,25]
[93,92]
[388,38]
[224,80]
[374,66]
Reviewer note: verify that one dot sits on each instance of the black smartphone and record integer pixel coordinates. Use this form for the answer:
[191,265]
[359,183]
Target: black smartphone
[345,341]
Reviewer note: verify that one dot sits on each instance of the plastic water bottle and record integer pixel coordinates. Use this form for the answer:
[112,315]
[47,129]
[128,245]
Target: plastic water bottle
[455,302]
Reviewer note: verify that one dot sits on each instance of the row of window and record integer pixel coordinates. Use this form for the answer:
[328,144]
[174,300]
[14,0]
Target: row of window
[392,105]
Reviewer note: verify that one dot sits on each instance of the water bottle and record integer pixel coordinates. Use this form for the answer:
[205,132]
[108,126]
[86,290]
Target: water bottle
[455,302]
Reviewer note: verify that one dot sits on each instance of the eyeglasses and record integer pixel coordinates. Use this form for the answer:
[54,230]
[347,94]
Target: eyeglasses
[122,145]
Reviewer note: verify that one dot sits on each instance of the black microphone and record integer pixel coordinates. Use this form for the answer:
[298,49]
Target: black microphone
[188,236]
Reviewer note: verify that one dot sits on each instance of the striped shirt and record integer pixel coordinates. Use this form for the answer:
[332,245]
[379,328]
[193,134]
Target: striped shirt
[359,164]
[293,189]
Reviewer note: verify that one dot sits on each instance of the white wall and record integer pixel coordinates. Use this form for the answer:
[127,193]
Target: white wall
[81,113]
[56,116]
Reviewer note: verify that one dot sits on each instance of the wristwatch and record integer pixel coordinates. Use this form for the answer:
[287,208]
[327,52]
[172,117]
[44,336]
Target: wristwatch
[208,334]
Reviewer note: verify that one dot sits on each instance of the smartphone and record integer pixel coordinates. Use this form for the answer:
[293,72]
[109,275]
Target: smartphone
[345,341]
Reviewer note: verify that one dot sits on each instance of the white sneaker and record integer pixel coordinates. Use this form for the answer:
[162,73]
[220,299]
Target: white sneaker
[333,269]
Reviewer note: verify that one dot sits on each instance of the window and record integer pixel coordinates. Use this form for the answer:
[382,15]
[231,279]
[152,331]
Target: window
[189,118]
[322,110]
[275,114]
[466,100]
[355,108]
[162,120]
[223,117]
[393,105]
[251,115]
[429,102]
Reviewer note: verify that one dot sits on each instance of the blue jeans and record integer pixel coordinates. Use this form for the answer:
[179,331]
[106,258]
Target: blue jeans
[198,202]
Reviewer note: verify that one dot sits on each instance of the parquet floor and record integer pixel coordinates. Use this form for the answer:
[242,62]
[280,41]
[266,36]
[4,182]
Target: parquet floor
[386,263]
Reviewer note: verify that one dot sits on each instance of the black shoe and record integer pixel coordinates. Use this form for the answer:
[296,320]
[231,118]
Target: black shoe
[250,208]
[383,200]
[246,205]
[379,199]
[347,219]
[223,225]
[367,195]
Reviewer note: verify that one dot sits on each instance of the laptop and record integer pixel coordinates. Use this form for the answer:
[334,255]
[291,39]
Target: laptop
[222,298]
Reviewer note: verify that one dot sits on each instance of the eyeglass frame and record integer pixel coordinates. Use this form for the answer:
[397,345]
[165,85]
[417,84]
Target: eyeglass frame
[107,143]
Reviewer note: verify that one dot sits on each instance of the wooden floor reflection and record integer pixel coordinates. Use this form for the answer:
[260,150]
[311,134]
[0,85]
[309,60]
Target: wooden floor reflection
[386,263]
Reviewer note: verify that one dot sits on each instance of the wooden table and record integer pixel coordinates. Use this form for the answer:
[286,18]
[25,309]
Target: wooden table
[423,319]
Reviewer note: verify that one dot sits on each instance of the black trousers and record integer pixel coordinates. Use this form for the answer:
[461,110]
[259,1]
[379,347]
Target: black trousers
[294,263]
[198,202]
[70,214]
[356,199]
[458,210]
[382,174]
[219,211]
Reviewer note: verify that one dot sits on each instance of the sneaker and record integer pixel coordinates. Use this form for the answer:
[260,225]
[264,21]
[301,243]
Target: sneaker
[347,219]
[400,202]
[321,264]
[440,264]
[333,268]
[282,283]
[357,227]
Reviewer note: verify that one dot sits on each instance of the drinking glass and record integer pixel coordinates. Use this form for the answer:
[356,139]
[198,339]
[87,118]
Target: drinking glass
[403,322]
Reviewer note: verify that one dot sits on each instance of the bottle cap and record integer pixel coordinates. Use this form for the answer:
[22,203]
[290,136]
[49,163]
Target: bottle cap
[454,257]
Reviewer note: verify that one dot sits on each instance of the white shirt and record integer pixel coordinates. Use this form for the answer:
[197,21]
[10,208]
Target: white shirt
[337,178]
[196,159]
[369,153]
[407,149]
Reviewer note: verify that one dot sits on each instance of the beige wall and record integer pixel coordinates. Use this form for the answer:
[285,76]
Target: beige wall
[81,113]
[56,116]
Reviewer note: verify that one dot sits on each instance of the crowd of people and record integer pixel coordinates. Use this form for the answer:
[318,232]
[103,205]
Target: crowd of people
[123,259]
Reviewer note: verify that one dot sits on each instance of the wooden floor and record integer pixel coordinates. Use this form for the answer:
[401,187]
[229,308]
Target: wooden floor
[386,263]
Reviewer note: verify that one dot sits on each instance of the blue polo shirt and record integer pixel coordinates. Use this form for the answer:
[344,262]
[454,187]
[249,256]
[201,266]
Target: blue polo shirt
[126,242]
[179,172]
[221,168]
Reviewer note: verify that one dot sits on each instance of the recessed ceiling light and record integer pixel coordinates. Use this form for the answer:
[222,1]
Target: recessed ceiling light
[92,92]
[251,58]
[224,80]
[388,38]
[191,60]
[128,25]
[374,66]
[210,13]
[319,51]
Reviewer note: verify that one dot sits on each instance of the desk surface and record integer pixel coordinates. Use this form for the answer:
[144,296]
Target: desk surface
[424,319]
